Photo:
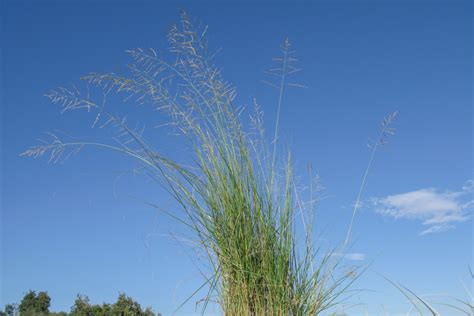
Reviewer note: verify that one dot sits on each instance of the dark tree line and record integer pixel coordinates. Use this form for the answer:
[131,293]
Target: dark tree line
[37,304]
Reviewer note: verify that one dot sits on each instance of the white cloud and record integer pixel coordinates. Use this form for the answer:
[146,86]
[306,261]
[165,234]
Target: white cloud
[436,229]
[355,256]
[437,210]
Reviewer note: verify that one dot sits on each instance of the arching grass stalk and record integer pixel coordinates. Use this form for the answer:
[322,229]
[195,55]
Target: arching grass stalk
[385,130]
[462,306]
[242,221]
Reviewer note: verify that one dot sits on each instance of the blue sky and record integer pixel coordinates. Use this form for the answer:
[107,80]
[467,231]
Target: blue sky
[84,227]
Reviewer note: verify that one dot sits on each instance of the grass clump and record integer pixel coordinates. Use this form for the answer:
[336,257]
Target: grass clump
[240,207]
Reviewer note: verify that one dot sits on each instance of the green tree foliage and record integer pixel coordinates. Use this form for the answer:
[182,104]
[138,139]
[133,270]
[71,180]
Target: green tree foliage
[10,310]
[124,306]
[81,306]
[101,310]
[34,304]
[149,312]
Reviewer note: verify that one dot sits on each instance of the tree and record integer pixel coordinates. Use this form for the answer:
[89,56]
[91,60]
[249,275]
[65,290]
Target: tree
[43,301]
[126,306]
[81,306]
[149,312]
[101,310]
[37,304]
[34,304]
[28,302]
[10,310]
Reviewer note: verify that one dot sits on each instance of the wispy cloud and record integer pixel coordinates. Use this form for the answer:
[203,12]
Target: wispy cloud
[438,210]
[354,256]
